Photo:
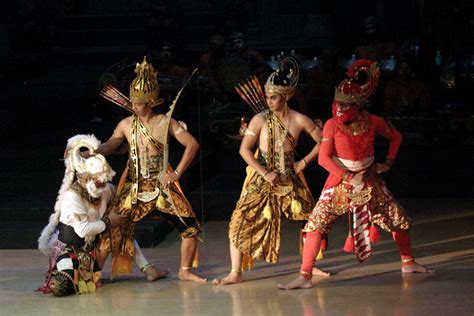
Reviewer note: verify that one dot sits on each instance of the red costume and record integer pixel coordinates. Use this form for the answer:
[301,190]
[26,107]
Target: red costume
[347,149]
[339,141]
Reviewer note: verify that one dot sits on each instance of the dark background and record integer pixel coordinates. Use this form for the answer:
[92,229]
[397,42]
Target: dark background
[56,55]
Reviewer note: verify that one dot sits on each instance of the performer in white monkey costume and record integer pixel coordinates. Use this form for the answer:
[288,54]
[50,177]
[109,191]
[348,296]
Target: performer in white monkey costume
[71,234]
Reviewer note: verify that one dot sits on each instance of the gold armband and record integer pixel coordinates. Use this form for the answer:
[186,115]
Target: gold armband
[182,127]
[249,132]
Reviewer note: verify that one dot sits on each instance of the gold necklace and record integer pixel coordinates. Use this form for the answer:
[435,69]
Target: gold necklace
[143,157]
[279,144]
[143,154]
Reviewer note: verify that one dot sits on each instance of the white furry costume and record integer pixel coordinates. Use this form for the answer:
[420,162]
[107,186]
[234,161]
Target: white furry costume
[78,216]
[76,211]
[80,165]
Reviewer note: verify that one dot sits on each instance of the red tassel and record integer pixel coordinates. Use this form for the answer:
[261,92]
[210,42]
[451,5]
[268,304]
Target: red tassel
[349,245]
[374,234]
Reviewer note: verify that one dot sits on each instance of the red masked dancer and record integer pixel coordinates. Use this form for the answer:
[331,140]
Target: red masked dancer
[353,185]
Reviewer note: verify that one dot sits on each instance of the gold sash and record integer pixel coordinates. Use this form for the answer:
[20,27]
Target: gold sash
[138,126]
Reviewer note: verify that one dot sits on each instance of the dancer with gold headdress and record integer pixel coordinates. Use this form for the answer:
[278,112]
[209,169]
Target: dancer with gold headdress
[149,184]
[353,185]
[71,236]
[275,185]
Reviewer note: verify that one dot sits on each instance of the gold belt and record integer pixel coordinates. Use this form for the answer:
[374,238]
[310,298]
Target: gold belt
[362,197]
[148,196]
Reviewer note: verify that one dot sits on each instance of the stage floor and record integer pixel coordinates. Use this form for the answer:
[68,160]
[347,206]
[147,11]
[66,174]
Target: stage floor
[443,240]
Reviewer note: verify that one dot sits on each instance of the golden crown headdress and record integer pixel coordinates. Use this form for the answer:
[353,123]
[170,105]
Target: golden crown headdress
[145,88]
[348,92]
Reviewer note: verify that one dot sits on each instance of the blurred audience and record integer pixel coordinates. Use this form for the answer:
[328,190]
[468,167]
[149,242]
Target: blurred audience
[405,95]
[375,46]
[164,61]
[210,61]
[322,81]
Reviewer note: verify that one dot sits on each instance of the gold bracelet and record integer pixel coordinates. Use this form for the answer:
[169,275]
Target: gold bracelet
[186,268]
[305,162]
[265,173]
[176,172]
[236,271]
[106,221]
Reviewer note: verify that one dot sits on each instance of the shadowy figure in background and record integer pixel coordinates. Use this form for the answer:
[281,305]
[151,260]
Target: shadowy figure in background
[375,47]
[164,59]
[210,61]
[166,22]
[241,62]
[240,49]
[233,14]
[461,41]
[321,83]
[404,95]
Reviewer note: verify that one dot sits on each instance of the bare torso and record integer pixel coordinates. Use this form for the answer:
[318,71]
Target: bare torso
[155,125]
[292,127]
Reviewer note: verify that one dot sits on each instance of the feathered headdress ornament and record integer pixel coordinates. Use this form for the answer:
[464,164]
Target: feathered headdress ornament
[363,77]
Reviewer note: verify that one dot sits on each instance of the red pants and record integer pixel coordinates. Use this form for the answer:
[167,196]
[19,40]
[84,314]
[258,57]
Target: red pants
[313,243]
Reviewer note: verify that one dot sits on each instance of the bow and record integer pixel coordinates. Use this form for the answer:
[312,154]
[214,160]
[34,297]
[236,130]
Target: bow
[164,137]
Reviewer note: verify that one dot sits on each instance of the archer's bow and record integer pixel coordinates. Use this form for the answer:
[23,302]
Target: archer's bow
[164,137]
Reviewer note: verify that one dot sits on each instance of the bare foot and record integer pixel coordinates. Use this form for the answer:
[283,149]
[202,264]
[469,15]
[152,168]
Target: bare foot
[416,267]
[299,283]
[152,274]
[187,275]
[320,273]
[231,278]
